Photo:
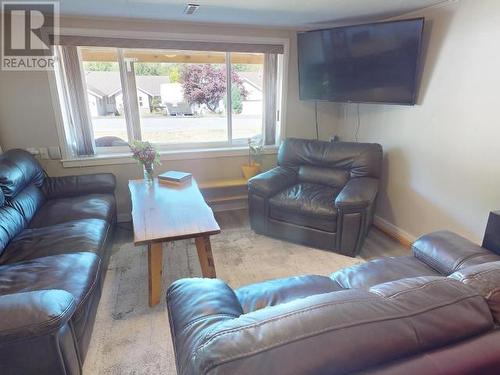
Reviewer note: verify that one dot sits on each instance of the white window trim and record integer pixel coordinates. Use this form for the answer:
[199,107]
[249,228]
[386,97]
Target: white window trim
[182,154]
[180,147]
[172,154]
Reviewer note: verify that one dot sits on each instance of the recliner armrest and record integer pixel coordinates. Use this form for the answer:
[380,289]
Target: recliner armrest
[448,252]
[357,194]
[30,314]
[69,186]
[193,306]
[273,181]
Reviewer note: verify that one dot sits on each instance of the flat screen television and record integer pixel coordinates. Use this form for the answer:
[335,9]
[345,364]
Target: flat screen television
[371,63]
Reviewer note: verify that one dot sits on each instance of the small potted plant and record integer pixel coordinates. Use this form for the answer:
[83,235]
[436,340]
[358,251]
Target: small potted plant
[255,156]
[147,155]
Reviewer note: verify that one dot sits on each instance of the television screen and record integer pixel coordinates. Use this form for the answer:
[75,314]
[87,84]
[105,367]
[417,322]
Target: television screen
[372,63]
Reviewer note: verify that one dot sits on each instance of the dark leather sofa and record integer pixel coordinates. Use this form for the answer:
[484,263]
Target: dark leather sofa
[55,237]
[436,312]
[322,194]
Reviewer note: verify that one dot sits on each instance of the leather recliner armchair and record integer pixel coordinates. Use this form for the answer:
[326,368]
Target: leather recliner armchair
[321,194]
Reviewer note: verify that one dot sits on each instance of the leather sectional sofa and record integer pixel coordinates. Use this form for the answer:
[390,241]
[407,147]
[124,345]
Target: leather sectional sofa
[55,237]
[436,312]
[321,194]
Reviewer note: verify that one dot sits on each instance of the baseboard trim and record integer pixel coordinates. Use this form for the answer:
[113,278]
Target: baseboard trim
[398,234]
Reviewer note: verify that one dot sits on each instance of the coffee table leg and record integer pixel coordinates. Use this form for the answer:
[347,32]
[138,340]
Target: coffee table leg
[155,268]
[205,256]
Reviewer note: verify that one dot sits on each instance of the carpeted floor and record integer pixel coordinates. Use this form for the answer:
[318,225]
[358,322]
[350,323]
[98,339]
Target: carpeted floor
[129,337]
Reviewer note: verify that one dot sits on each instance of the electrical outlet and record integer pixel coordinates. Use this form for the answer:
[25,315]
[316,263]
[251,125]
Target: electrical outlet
[55,153]
[33,151]
[44,153]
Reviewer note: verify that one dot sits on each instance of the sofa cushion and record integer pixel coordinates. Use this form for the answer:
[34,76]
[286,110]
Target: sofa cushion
[324,176]
[306,204]
[18,169]
[78,274]
[11,223]
[485,279]
[75,273]
[274,292]
[28,201]
[56,211]
[382,270]
[70,237]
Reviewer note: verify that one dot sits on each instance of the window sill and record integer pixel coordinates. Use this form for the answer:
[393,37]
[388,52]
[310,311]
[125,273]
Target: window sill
[191,154]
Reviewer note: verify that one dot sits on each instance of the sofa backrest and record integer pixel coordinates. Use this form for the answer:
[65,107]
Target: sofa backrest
[339,332]
[330,163]
[21,178]
[18,169]
[485,279]
[10,222]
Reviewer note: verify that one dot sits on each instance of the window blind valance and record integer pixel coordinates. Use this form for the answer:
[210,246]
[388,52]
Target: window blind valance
[90,41]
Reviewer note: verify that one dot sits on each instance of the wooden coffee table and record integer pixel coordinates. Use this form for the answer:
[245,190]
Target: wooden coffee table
[162,213]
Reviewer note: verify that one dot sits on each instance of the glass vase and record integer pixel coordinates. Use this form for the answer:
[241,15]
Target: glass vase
[148,173]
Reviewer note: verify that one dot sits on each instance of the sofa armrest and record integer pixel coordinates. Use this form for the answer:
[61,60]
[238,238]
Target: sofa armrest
[36,333]
[30,314]
[68,186]
[357,194]
[448,252]
[193,306]
[273,181]
[355,204]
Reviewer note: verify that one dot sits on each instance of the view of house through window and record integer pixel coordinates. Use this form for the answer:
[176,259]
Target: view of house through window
[105,96]
[182,96]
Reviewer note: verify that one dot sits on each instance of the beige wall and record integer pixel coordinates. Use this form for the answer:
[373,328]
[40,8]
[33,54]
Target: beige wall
[442,165]
[27,117]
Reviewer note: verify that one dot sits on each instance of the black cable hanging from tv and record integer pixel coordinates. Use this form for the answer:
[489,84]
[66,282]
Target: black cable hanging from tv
[316,118]
[358,126]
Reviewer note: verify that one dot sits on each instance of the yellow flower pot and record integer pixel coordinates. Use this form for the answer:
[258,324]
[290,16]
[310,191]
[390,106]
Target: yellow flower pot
[250,170]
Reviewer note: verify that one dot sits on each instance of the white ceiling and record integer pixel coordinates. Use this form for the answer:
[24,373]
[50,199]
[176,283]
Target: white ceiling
[288,13]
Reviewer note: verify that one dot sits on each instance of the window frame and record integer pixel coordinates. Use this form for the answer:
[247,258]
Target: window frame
[169,149]
[134,126]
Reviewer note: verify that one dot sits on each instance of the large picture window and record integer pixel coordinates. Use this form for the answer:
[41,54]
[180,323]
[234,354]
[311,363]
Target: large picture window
[186,93]
[174,98]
